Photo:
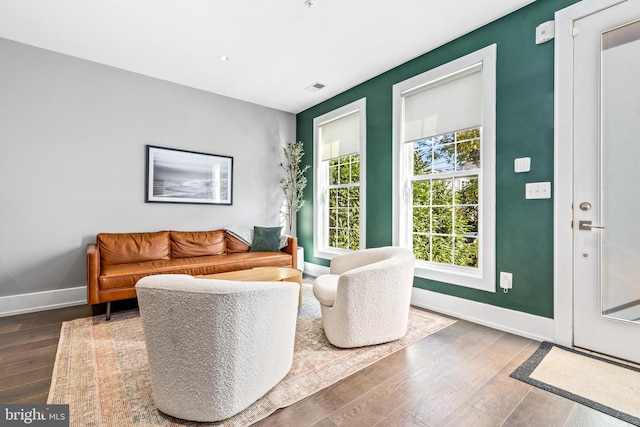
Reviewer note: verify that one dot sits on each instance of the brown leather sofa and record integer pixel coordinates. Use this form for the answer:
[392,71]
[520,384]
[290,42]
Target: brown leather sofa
[117,261]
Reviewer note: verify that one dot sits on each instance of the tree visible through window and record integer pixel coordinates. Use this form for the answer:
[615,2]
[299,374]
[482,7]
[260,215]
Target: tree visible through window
[445,198]
[344,202]
[339,218]
[444,170]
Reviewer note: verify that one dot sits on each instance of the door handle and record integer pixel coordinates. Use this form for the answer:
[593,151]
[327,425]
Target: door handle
[586,225]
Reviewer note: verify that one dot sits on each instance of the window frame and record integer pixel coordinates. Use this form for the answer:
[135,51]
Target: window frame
[321,248]
[483,277]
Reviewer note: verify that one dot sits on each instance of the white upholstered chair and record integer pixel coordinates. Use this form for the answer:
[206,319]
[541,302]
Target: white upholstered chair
[365,298]
[215,346]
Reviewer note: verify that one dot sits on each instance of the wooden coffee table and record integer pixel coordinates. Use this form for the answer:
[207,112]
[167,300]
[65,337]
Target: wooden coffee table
[262,274]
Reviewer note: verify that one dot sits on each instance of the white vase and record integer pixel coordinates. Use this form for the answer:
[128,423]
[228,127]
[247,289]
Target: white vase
[301,259]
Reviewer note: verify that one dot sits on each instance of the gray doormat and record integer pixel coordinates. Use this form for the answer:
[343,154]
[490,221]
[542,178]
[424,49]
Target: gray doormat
[608,386]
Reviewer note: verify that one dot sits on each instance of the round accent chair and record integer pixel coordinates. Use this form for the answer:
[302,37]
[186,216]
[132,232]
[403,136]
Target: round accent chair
[366,296]
[215,346]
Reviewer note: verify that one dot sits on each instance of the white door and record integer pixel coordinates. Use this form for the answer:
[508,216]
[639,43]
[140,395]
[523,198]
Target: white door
[606,181]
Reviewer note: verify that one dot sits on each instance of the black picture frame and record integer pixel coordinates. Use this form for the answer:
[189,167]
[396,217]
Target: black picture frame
[181,176]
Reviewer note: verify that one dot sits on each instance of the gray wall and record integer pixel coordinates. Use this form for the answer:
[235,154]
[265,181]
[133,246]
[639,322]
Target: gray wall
[72,160]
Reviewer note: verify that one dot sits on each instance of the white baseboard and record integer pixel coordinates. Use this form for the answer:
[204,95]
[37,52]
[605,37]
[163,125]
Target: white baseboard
[315,270]
[515,322]
[41,301]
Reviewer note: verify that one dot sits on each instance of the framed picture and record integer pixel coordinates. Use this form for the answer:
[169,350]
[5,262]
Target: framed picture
[178,176]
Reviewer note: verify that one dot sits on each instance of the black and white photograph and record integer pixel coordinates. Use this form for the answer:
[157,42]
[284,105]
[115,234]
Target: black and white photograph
[178,176]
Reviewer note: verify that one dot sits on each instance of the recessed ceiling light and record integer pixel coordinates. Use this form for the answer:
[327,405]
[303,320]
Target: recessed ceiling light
[223,58]
[315,87]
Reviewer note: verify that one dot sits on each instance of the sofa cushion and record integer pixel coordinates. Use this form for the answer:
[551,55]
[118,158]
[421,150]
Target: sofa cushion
[235,245]
[246,260]
[186,244]
[120,248]
[123,275]
[266,239]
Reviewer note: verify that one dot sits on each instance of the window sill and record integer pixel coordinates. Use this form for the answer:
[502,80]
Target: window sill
[458,276]
[328,254]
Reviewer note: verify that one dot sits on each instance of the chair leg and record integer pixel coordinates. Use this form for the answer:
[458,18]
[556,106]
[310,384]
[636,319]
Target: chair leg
[108,310]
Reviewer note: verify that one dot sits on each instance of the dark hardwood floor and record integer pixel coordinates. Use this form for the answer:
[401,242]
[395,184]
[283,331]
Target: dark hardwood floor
[456,377]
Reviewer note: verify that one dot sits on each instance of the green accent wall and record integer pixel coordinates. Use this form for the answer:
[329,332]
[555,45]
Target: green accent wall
[524,128]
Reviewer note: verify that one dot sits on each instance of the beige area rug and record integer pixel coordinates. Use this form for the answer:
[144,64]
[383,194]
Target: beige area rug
[101,368]
[608,386]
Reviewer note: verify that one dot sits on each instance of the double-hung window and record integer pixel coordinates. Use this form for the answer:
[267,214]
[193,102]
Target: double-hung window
[339,191]
[444,170]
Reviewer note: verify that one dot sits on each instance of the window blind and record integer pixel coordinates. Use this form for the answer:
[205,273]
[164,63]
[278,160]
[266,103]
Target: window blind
[340,137]
[447,104]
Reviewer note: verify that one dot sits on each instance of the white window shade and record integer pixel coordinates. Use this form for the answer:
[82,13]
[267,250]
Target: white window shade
[448,104]
[340,137]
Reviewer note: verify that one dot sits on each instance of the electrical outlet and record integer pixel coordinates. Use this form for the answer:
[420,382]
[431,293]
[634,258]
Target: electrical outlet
[506,280]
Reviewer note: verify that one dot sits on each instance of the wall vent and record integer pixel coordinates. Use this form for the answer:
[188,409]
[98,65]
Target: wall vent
[315,87]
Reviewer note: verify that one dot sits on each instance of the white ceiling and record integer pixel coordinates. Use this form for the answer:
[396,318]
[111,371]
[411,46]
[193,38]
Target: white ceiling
[276,47]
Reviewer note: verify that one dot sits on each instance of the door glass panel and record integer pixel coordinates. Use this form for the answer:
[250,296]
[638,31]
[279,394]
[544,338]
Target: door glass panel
[620,214]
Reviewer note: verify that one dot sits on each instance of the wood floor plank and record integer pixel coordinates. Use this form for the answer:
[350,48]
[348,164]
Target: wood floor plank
[315,407]
[24,318]
[40,398]
[15,354]
[339,394]
[21,378]
[9,328]
[541,408]
[467,415]
[502,394]
[457,384]
[385,399]
[26,365]
[27,393]
[332,398]
[40,318]
[401,418]
[323,423]
[17,338]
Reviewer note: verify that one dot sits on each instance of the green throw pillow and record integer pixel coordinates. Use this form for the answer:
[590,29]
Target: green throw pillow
[266,239]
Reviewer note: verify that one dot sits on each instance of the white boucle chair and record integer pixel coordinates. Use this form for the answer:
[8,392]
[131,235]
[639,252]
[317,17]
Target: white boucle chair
[365,298]
[215,346]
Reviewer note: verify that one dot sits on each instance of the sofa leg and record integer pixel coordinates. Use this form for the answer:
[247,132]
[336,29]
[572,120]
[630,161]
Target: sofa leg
[108,310]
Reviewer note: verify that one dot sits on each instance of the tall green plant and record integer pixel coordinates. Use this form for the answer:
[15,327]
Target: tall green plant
[293,182]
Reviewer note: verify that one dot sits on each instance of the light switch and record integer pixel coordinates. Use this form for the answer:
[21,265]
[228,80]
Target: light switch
[522,164]
[538,190]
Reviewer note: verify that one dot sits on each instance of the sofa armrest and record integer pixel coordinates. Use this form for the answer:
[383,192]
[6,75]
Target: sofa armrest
[292,249]
[93,271]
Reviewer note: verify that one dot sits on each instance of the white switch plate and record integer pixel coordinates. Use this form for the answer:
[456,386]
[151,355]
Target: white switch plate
[506,280]
[522,164]
[538,190]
